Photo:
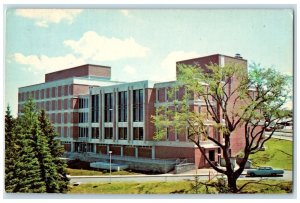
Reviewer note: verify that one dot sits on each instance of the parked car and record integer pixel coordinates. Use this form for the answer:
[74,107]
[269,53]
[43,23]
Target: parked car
[265,171]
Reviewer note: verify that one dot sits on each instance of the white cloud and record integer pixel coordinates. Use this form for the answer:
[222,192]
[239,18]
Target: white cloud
[129,70]
[167,71]
[45,64]
[92,46]
[125,12]
[45,16]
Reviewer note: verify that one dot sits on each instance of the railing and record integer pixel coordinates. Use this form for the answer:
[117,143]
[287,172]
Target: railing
[76,155]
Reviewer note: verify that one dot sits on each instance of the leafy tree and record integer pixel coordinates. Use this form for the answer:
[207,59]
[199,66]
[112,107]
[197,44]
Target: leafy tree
[234,99]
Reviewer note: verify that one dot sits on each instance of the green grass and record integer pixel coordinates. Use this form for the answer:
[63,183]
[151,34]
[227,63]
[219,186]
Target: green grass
[278,154]
[179,187]
[82,172]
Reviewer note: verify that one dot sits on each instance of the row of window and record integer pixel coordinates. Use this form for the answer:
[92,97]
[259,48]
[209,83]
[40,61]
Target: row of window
[55,105]
[47,93]
[138,133]
[163,94]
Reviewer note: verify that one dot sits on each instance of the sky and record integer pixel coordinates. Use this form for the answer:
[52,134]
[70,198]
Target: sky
[139,44]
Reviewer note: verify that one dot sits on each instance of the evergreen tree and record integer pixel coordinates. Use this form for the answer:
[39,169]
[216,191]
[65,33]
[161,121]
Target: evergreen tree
[55,177]
[27,173]
[10,150]
[32,162]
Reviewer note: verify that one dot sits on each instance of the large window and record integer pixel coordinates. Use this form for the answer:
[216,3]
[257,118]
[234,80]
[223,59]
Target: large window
[108,133]
[122,133]
[138,105]
[95,108]
[138,133]
[83,132]
[108,107]
[95,133]
[122,104]
[83,117]
[83,103]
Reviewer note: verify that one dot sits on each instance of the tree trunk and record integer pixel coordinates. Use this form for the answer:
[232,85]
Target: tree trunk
[232,183]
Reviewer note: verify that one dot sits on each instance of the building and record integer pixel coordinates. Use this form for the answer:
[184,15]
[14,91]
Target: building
[94,115]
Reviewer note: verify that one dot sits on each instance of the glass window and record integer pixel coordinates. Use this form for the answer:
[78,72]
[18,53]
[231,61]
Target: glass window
[123,133]
[108,107]
[138,105]
[138,133]
[122,106]
[95,108]
[108,133]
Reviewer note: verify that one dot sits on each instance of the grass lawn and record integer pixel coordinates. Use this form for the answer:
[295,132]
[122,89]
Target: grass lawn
[82,172]
[278,154]
[179,187]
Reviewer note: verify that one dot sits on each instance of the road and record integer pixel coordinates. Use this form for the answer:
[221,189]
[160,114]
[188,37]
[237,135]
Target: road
[165,177]
[282,135]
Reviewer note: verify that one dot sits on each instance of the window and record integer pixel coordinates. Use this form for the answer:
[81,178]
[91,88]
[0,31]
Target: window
[138,133]
[95,133]
[122,105]
[108,107]
[138,105]
[83,103]
[122,133]
[95,108]
[108,133]
[83,132]
[211,155]
[83,117]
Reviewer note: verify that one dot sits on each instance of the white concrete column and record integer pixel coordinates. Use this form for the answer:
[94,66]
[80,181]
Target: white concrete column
[117,114]
[102,114]
[95,148]
[153,152]
[122,151]
[72,146]
[136,152]
[144,116]
[131,110]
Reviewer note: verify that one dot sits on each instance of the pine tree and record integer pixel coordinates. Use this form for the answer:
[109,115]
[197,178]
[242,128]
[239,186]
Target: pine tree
[27,173]
[10,150]
[58,181]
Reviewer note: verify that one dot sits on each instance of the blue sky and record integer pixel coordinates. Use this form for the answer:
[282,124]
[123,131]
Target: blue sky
[139,44]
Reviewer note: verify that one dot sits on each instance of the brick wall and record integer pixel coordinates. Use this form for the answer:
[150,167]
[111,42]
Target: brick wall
[79,71]
[162,152]
[145,152]
[116,150]
[129,151]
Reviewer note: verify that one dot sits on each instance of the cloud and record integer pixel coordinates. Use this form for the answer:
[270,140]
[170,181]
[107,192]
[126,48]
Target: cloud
[167,70]
[44,17]
[45,64]
[92,46]
[129,70]
[125,12]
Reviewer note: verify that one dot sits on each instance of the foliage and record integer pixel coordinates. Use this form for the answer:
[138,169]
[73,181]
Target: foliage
[234,99]
[35,167]
[275,151]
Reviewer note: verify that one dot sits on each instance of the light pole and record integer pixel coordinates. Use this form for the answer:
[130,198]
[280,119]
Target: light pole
[110,166]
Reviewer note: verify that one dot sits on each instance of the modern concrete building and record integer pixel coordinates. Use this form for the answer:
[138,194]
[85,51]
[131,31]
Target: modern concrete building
[94,115]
